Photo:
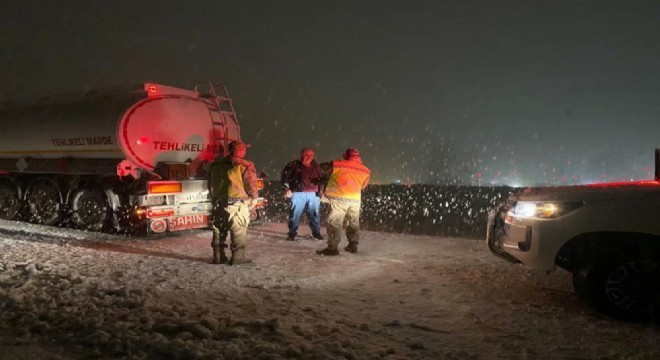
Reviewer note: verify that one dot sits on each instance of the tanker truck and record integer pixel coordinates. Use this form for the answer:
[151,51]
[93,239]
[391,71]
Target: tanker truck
[125,158]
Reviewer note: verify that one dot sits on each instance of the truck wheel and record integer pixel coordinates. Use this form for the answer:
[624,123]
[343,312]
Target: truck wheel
[91,209]
[43,200]
[580,283]
[10,204]
[255,216]
[627,288]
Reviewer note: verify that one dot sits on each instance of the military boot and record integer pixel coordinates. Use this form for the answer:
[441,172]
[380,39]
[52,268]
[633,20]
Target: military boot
[351,247]
[219,256]
[238,257]
[244,261]
[329,251]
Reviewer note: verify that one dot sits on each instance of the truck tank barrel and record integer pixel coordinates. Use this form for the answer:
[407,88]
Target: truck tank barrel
[156,124]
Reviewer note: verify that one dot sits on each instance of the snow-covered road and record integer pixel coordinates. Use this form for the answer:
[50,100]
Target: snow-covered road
[69,294]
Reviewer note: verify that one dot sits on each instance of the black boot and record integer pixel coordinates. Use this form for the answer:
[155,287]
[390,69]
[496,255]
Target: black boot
[329,251]
[219,256]
[351,248]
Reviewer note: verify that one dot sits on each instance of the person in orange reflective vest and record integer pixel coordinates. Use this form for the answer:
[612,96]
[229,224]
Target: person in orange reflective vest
[344,181]
[233,186]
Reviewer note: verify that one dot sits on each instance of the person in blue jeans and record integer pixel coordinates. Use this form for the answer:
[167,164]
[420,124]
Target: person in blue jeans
[299,179]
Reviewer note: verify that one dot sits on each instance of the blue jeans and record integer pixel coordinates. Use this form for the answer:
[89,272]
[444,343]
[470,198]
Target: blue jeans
[298,202]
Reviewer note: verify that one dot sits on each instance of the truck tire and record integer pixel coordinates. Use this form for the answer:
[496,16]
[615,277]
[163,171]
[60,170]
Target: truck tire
[255,216]
[580,283]
[10,203]
[43,202]
[91,209]
[624,287]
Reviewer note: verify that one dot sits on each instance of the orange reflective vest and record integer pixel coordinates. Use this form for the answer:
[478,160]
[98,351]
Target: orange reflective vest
[347,180]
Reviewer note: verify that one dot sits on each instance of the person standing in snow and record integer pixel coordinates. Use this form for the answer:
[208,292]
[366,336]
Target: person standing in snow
[299,179]
[346,178]
[232,183]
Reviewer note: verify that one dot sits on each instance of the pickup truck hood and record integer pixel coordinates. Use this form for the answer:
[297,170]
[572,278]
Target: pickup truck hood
[599,191]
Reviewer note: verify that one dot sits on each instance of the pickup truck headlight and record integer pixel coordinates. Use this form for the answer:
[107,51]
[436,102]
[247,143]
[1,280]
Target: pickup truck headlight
[544,210]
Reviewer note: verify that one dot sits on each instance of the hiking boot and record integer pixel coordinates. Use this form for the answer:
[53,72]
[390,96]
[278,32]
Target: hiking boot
[351,248]
[317,236]
[243,261]
[291,238]
[328,251]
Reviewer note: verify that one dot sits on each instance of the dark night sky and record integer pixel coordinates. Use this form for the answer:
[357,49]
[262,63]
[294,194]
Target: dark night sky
[521,92]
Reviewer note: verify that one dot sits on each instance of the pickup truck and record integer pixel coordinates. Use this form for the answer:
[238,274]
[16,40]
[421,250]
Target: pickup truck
[607,235]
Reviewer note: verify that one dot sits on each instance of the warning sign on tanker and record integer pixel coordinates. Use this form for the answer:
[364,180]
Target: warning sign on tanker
[178,146]
[83,141]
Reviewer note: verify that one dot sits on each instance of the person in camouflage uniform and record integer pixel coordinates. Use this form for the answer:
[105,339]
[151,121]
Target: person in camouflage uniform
[233,187]
[346,179]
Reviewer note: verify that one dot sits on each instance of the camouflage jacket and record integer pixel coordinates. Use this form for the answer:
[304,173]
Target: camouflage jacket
[232,179]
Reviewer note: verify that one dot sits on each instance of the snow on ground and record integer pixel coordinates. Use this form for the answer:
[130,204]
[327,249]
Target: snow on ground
[67,294]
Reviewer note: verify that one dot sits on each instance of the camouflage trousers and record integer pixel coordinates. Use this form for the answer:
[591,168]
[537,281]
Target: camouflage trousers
[343,214]
[233,220]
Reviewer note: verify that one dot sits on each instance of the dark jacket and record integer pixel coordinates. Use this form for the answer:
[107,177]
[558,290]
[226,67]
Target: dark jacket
[291,177]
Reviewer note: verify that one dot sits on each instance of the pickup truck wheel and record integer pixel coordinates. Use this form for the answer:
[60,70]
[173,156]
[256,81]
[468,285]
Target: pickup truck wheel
[580,283]
[626,289]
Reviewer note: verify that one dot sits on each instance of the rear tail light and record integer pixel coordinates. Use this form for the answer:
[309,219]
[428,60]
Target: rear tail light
[155,213]
[152,90]
[260,184]
[164,187]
